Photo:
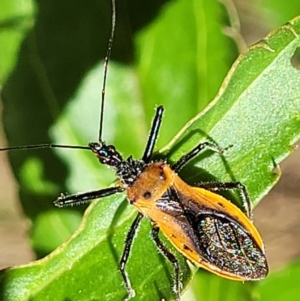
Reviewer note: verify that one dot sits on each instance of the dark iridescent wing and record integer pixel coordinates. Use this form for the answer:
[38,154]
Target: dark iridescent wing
[215,234]
[224,243]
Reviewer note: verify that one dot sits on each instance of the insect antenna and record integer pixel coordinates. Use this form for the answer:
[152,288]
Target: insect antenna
[106,60]
[43,146]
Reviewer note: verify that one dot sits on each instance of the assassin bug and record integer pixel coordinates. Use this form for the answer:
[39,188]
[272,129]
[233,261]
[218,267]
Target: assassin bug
[205,227]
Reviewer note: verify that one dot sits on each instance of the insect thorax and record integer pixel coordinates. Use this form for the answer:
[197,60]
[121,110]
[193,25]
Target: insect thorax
[129,170]
[150,185]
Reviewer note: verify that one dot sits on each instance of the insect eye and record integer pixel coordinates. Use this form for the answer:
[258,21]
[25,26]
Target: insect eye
[147,195]
[103,153]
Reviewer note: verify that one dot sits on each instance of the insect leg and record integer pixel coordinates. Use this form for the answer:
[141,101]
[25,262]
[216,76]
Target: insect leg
[81,198]
[194,152]
[167,253]
[153,134]
[126,252]
[219,186]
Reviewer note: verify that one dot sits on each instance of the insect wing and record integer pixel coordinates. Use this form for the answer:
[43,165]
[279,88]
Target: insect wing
[225,241]
[231,248]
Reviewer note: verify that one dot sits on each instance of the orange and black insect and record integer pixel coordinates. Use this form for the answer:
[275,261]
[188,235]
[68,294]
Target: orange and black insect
[206,228]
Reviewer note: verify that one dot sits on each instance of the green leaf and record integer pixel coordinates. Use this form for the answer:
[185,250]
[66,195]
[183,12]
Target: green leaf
[42,92]
[276,12]
[15,20]
[214,288]
[85,268]
[256,112]
[182,59]
[262,122]
[282,284]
